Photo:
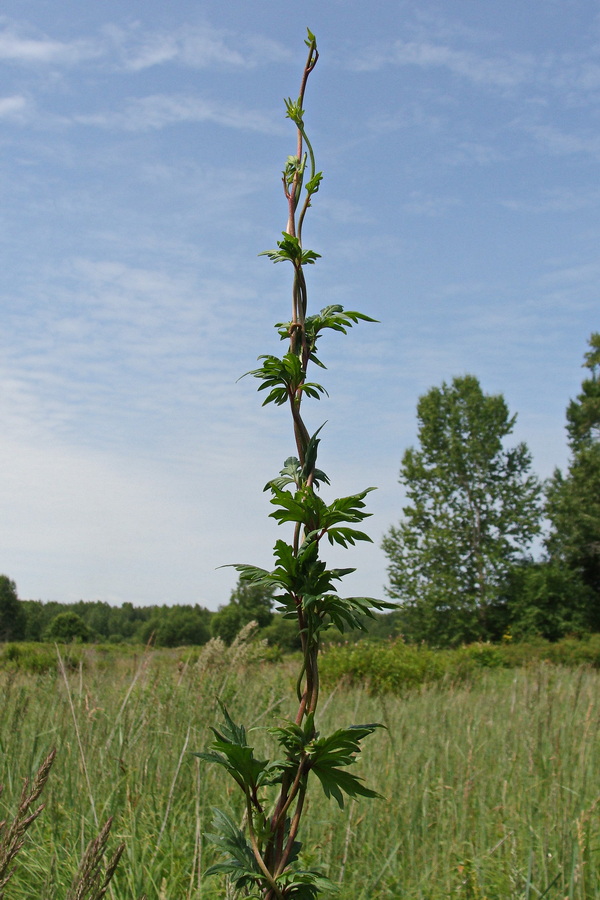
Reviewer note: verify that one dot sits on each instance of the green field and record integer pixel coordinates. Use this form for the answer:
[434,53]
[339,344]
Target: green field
[491,785]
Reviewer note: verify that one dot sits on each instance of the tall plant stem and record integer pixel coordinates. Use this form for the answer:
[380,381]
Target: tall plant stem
[268,866]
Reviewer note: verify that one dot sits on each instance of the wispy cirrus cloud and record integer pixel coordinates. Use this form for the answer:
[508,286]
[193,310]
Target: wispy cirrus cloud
[198,47]
[558,142]
[472,153]
[115,335]
[573,76]
[11,107]
[559,199]
[134,48]
[19,43]
[584,275]
[501,71]
[161,110]
[419,203]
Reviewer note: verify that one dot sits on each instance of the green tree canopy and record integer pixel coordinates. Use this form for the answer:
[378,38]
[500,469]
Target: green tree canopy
[473,508]
[68,627]
[546,599]
[176,626]
[12,614]
[247,603]
[573,499]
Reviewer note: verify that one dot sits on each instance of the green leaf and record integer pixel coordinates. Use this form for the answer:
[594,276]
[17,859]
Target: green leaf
[290,249]
[230,732]
[232,751]
[240,864]
[346,536]
[253,574]
[304,884]
[294,473]
[295,738]
[344,612]
[308,509]
[314,184]
[284,378]
[336,782]
[294,111]
[310,455]
[294,167]
[333,317]
[328,755]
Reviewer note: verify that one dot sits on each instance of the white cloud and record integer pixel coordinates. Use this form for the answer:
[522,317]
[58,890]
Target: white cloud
[559,199]
[582,275]
[504,72]
[136,49]
[474,153]
[431,205]
[562,143]
[116,341]
[342,211]
[571,78]
[161,110]
[198,47]
[501,72]
[41,49]
[12,106]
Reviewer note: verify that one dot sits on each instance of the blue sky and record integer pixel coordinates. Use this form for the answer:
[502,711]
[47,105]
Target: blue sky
[141,151]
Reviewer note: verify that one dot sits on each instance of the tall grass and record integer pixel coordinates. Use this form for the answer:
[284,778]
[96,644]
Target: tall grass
[492,786]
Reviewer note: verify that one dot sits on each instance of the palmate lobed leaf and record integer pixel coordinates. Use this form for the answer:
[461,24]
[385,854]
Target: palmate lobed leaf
[230,732]
[228,836]
[254,574]
[312,186]
[345,536]
[333,317]
[304,884]
[290,249]
[344,612]
[345,742]
[283,378]
[293,737]
[242,765]
[307,508]
[328,754]
[232,751]
[336,782]
[240,864]
[286,478]
[336,318]
[307,577]
[297,570]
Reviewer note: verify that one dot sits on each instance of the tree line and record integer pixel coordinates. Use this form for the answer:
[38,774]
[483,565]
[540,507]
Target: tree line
[164,626]
[460,566]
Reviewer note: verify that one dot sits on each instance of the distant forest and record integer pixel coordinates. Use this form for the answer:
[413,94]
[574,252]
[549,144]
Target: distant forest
[163,626]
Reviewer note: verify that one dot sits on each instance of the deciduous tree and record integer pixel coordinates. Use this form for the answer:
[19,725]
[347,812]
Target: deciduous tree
[67,627]
[248,603]
[473,508]
[12,614]
[573,499]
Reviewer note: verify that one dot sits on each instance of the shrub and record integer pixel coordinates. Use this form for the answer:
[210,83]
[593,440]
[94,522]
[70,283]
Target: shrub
[396,667]
[37,658]
[67,628]
[391,667]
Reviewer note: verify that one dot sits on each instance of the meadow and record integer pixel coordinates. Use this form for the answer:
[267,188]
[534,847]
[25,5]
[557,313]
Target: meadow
[491,783]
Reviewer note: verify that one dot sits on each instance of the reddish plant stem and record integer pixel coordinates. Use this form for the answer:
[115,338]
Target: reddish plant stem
[276,855]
